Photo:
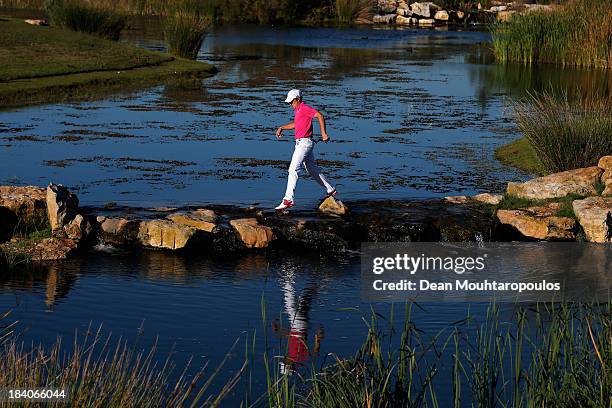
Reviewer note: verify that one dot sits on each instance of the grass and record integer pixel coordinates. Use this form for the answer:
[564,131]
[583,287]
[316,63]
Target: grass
[98,372]
[520,154]
[347,11]
[510,202]
[78,15]
[46,64]
[576,33]
[185,29]
[566,135]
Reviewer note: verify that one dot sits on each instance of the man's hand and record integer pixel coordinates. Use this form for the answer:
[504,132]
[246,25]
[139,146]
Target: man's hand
[325,137]
[279,132]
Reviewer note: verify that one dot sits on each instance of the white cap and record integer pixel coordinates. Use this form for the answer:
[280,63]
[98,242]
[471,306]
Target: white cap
[293,94]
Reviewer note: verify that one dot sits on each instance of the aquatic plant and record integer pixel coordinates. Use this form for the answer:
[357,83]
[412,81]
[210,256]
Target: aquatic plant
[577,33]
[185,28]
[79,16]
[566,134]
[347,11]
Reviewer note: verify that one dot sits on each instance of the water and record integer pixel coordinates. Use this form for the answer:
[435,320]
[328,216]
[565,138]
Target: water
[412,114]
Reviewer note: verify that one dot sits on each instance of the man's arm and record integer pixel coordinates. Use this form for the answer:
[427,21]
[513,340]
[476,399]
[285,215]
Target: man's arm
[321,119]
[288,126]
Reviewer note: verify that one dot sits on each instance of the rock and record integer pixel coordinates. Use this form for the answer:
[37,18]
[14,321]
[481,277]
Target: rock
[36,22]
[333,206]
[120,232]
[78,229]
[441,15]
[403,5]
[595,217]
[402,12]
[497,9]
[62,206]
[423,9]
[504,16]
[164,234]
[252,234]
[384,19]
[21,207]
[578,181]
[536,7]
[457,199]
[540,222]
[488,198]
[406,20]
[387,6]
[460,15]
[426,22]
[201,219]
[605,163]
[53,249]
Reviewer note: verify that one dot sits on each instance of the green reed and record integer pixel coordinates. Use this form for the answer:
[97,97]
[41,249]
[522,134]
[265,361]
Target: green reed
[185,28]
[566,134]
[576,33]
[347,11]
[80,16]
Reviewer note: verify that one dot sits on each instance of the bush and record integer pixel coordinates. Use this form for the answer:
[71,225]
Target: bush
[185,26]
[566,135]
[577,33]
[78,16]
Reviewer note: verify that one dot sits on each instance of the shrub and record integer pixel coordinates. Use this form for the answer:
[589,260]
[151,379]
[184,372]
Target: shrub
[577,33]
[566,135]
[347,11]
[78,16]
[185,28]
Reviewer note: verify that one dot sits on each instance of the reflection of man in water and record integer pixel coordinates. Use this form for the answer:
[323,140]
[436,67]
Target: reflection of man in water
[298,309]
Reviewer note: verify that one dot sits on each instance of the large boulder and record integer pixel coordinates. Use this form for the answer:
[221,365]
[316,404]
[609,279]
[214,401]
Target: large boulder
[79,229]
[333,206]
[579,181]
[21,207]
[540,222]
[119,232]
[595,217]
[165,234]
[401,20]
[402,12]
[201,219]
[62,206]
[423,9]
[251,233]
[441,15]
[53,249]
[605,163]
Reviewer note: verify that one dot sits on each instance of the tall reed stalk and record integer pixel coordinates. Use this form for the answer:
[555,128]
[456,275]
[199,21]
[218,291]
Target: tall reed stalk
[347,11]
[566,134]
[78,15]
[577,33]
[185,28]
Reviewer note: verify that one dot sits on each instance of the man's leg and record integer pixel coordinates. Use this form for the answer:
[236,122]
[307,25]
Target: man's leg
[315,172]
[294,169]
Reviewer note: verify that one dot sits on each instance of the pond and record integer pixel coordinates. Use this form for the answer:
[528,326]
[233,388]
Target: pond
[411,113]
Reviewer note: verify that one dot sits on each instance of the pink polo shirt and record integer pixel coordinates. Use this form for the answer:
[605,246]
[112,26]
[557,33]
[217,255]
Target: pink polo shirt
[303,120]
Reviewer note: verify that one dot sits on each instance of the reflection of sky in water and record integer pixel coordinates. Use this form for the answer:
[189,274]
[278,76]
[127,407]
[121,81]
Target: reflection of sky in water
[407,114]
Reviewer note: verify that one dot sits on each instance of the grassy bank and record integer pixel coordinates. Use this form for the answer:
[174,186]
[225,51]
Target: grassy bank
[46,64]
[577,34]
[520,154]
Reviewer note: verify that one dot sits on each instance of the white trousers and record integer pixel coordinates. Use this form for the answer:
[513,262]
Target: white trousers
[303,155]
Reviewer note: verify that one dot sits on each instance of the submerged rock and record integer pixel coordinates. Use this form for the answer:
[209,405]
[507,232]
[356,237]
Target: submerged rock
[540,222]
[251,233]
[488,198]
[457,199]
[164,234]
[595,217]
[62,206]
[333,206]
[53,249]
[21,207]
[578,181]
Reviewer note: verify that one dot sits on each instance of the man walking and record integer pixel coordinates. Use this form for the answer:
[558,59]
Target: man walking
[304,145]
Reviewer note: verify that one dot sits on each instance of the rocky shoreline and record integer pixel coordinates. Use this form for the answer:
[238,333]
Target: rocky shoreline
[429,14]
[335,228]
